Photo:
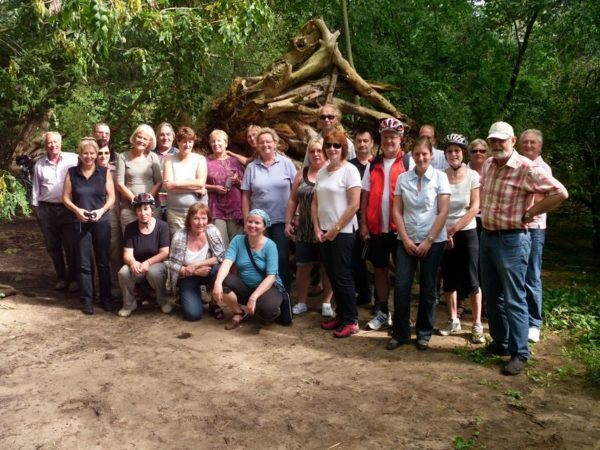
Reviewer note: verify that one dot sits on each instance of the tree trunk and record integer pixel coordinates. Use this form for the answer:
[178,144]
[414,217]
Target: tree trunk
[522,47]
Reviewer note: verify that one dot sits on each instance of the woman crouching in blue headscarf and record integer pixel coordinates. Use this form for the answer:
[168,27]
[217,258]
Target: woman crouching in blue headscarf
[256,289]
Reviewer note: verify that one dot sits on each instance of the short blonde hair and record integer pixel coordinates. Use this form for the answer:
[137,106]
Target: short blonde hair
[314,140]
[218,134]
[146,129]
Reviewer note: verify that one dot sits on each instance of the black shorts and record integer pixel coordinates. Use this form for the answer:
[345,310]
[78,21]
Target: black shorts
[381,247]
[460,264]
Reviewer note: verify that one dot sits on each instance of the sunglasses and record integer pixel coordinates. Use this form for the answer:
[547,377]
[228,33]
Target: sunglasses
[478,150]
[327,117]
[333,144]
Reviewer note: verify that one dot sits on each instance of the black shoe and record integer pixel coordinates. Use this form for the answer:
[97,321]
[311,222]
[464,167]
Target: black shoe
[493,350]
[394,344]
[422,344]
[87,307]
[515,366]
[108,306]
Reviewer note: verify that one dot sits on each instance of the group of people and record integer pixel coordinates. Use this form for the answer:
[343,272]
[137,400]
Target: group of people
[230,220]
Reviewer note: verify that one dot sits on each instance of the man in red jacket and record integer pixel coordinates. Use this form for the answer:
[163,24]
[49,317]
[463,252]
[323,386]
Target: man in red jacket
[377,223]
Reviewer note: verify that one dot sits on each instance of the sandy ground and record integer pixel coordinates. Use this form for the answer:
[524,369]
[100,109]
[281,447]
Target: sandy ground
[155,381]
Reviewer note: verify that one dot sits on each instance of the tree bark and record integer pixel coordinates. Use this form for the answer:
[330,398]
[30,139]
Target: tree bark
[522,48]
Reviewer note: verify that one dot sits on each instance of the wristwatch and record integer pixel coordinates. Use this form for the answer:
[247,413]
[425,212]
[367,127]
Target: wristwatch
[526,217]
[430,238]
[337,228]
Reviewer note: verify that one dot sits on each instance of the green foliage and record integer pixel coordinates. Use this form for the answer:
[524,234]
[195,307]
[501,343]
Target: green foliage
[576,311]
[460,443]
[476,356]
[13,197]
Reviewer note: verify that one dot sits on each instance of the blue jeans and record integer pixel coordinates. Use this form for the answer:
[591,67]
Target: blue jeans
[337,259]
[276,233]
[533,277]
[189,293]
[503,259]
[96,236]
[406,266]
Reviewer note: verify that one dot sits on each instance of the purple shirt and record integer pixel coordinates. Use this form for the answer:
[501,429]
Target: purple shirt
[224,206]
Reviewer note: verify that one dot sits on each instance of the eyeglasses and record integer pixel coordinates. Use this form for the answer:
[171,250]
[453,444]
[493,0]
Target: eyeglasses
[478,150]
[333,144]
[103,153]
[327,117]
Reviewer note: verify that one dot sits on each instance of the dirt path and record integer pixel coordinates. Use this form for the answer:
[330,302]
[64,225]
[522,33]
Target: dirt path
[154,381]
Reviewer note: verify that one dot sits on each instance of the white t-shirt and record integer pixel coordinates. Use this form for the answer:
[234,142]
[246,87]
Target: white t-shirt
[460,199]
[331,189]
[385,201]
[200,255]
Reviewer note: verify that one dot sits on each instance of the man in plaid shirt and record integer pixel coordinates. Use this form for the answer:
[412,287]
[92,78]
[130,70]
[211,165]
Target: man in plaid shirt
[509,184]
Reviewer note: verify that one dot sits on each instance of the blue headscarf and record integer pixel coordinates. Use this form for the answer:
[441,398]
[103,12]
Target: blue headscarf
[265,217]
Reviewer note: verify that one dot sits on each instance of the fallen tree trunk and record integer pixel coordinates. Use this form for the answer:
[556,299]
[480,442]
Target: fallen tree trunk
[289,94]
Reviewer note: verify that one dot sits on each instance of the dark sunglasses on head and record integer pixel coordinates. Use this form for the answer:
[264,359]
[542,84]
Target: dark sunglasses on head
[326,117]
[333,144]
[478,150]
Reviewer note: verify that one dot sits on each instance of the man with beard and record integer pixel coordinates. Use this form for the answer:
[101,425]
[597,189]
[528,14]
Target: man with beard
[510,186]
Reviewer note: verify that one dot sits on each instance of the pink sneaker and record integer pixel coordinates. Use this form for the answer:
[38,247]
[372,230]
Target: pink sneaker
[331,324]
[346,330]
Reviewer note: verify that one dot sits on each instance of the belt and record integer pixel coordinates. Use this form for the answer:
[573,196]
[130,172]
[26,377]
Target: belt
[500,232]
[51,204]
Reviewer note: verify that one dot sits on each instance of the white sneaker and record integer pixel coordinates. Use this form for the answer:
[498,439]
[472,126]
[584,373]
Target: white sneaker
[477,336]
[327,310]
[125,312]
[378,321]
[534,334]
[452,327]
[166,308]
[299,308]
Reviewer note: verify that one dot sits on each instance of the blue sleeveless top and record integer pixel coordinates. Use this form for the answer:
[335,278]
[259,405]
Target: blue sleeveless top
[90,193]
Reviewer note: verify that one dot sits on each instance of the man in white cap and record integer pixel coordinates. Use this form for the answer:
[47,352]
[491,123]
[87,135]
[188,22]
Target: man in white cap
[510,186]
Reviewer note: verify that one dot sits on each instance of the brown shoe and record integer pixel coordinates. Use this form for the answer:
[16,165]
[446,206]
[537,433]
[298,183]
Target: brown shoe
[235,322]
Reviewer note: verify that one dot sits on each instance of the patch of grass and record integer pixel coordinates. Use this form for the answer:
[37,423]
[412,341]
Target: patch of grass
[477,356]
[575,311]
[461,443]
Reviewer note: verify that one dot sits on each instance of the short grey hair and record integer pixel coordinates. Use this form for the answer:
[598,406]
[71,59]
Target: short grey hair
[47,134]
[538,133]
[267,130]
[146,129]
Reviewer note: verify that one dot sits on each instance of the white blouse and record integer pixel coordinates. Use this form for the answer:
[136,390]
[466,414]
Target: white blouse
[421,207]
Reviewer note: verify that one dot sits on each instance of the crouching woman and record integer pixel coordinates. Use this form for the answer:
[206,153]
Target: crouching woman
[256,287]
[196,252]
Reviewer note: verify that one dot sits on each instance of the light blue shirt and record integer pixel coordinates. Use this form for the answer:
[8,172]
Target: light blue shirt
[270,186]
[266,259]
[421,207]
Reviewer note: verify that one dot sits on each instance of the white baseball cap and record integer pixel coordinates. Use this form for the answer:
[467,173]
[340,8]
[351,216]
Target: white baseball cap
[501,130]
